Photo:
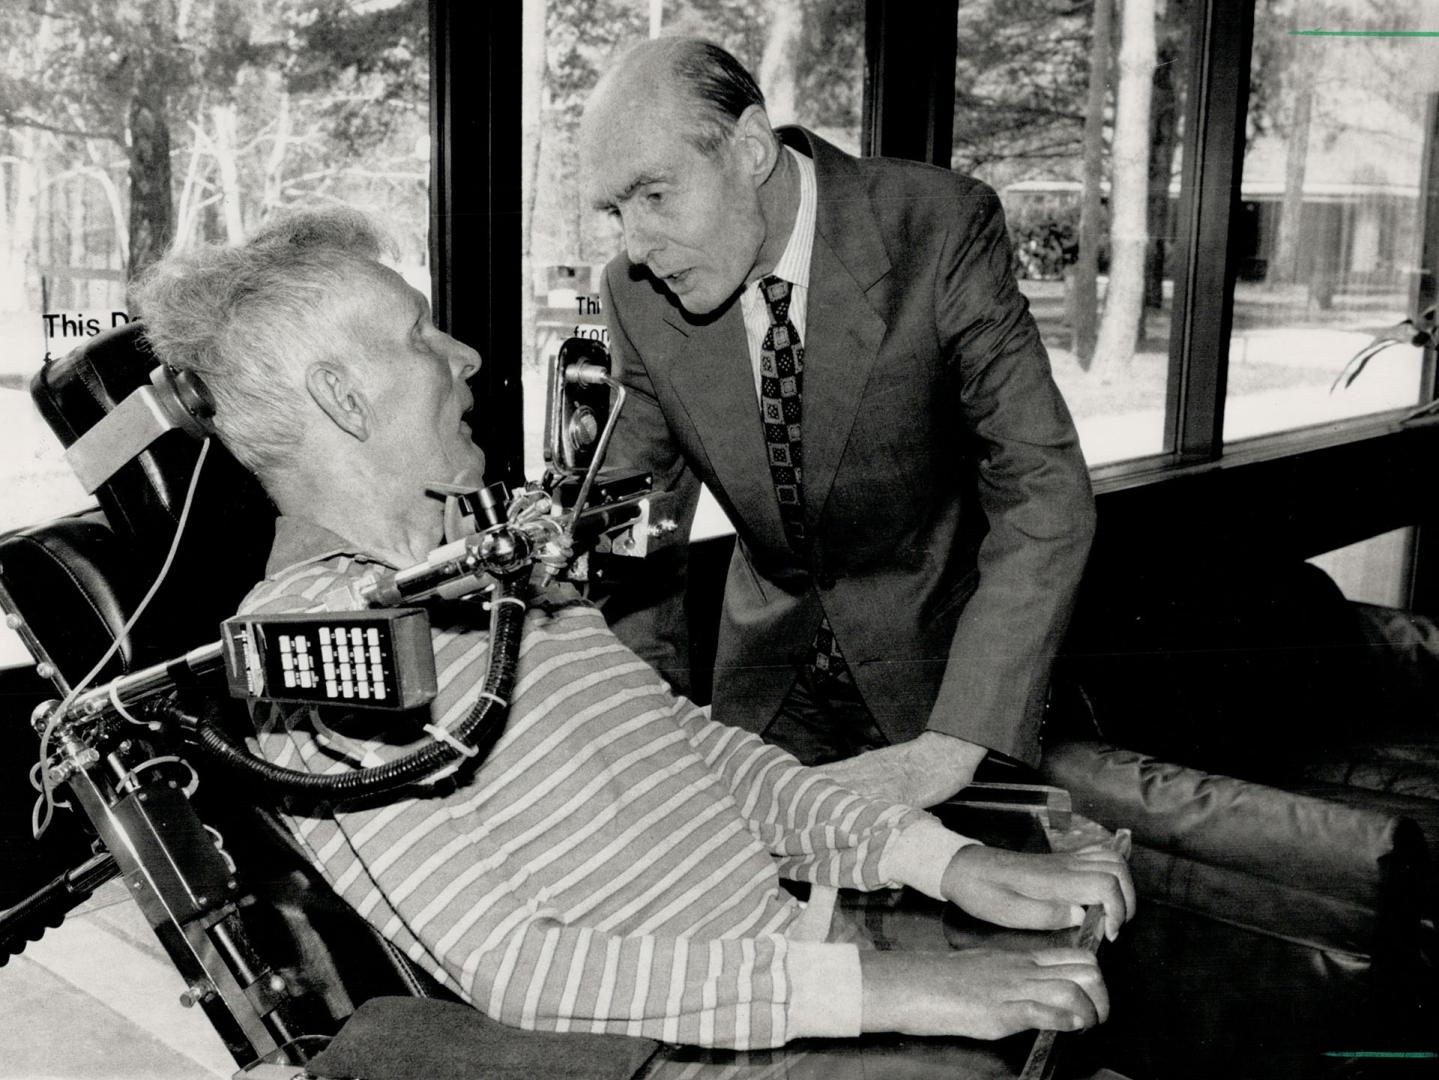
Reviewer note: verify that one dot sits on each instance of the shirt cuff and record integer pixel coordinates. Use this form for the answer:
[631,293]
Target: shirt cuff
[825,993]
[920,854]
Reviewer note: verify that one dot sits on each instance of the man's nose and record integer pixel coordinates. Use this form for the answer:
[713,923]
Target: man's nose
[640,242]
[464,361]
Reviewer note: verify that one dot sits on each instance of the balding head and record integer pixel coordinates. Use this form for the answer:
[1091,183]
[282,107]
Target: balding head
[703,87]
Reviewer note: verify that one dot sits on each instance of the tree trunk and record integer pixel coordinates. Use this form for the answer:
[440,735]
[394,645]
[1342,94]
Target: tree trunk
[533,60]
[78,290]
[187,214]
[226,124]
[1163,142]
[21,205]
[1129,191]
[776,66]
[274,187]
[1284,267]
[1084,289]
[102,166]
[151,216]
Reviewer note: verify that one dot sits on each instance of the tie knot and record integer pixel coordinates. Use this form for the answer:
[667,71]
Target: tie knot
[775,291]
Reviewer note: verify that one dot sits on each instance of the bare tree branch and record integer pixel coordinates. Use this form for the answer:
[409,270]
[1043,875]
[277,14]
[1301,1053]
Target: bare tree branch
[12,119]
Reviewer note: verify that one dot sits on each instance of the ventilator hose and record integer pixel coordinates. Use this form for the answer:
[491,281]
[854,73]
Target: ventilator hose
[478,731]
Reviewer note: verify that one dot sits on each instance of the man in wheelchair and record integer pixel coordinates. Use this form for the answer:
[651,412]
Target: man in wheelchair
[613,863]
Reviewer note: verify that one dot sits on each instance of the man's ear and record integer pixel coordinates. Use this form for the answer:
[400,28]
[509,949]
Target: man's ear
[756,142]
[341,399]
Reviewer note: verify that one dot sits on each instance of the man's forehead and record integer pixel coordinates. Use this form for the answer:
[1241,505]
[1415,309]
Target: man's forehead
[618,169]
[388,282]
[625,137]
[376,298]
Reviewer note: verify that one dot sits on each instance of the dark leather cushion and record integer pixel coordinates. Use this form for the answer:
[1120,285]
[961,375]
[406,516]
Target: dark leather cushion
[1329,874]
[231,524]
[1226,668]
[64,580]
[409,1039]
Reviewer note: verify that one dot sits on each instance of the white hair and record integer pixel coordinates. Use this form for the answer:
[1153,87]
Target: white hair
[250,318]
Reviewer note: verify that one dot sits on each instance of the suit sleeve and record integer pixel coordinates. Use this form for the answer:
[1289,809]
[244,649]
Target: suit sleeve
[1033,486]
[648,612]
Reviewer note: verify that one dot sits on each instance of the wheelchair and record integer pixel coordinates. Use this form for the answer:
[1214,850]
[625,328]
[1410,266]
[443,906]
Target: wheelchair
[276,961]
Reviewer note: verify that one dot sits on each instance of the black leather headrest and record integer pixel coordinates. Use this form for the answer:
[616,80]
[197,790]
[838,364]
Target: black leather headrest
[143,499]
[66,580]
[231,525]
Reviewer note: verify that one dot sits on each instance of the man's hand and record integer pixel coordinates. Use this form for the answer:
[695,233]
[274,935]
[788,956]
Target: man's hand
[1040,892]
[926,770]
[981,993]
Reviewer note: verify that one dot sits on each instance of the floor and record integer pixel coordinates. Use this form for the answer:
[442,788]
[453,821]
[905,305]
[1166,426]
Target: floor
[96,999]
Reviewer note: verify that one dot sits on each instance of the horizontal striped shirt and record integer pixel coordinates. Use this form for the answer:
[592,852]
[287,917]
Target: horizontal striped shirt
[614,864]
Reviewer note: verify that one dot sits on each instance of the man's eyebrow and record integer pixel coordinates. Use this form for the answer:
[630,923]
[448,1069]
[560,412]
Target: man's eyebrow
[603,202]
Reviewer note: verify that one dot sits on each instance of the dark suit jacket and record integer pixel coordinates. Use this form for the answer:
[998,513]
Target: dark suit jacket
[945,493]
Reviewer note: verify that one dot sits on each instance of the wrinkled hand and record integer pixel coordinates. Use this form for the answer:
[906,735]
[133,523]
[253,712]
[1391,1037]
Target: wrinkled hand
[1040,892]
[982,993]
[922,772]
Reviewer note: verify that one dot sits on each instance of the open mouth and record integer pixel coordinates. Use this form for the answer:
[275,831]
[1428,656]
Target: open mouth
[679,279]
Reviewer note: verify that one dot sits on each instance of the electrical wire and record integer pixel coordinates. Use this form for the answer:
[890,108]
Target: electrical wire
[170,759]
[44,809]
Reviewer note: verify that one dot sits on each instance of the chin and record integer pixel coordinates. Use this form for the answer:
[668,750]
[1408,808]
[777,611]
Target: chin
[698,305]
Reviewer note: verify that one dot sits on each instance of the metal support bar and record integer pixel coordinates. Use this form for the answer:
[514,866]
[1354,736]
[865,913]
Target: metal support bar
[46,907]
[187,892]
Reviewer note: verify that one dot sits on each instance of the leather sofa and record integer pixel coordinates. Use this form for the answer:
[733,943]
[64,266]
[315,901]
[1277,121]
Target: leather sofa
[1275,750]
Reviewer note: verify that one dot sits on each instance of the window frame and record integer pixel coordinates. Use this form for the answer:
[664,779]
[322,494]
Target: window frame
[908,110]
[475,235]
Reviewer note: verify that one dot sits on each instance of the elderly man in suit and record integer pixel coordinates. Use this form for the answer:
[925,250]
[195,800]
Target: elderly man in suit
[837,348]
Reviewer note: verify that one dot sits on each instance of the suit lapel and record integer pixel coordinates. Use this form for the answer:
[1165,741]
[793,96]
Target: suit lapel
[843,331]
[713,378]
[842,339]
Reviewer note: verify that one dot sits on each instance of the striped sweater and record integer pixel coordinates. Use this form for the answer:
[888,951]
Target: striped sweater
[614,864]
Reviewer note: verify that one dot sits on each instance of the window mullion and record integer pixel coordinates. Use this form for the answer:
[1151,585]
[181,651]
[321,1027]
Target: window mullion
[475,240]
[909,79]
[1204,290]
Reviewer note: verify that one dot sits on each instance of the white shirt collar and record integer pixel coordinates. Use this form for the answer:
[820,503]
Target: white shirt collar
[793,264]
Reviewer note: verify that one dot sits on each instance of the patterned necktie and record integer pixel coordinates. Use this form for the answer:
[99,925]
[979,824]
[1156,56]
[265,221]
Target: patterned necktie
[781,390]
[781,383]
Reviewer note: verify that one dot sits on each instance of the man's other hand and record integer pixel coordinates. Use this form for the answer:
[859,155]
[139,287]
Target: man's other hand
[981,993]
[1040,892]
[922,772]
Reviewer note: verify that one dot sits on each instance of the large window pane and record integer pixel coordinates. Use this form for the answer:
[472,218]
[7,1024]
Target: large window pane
[808,59]
[128,124]
[1027,123]
[1330,233]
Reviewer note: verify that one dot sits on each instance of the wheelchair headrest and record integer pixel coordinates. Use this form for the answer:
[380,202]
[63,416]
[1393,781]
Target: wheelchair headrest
[231,524]
[143,499]
[67,581]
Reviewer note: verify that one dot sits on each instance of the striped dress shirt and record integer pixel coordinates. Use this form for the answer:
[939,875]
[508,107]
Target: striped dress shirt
[614,864]
[793,266]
